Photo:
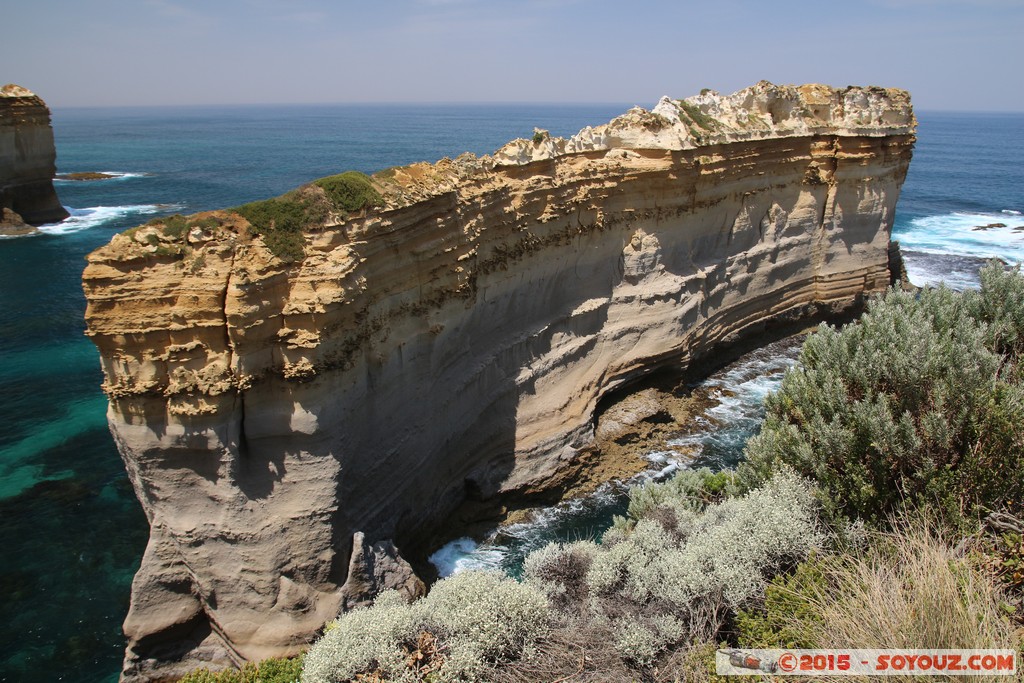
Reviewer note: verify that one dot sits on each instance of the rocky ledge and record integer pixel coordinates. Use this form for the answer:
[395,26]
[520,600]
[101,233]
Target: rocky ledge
[444,333]
[27,163]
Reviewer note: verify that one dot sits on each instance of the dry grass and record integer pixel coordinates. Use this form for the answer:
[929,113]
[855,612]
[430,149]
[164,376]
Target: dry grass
[576,651]
[912,589]
[584,652]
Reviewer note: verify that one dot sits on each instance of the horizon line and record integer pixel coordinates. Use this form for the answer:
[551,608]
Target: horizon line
[442,103]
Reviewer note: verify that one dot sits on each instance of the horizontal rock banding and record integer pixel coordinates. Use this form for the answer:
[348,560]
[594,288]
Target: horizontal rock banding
[454,341]
[27,163]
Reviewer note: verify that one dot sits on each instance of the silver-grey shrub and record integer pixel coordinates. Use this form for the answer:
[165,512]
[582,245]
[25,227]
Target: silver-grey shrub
[669,578]
[476,617]
[920,401]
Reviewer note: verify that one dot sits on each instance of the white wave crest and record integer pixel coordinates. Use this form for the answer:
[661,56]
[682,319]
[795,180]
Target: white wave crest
[956,234]
[82,219]
[465,553]
[954,247]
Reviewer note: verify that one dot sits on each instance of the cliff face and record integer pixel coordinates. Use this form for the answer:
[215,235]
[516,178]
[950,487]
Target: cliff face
[27,162]
[454,341]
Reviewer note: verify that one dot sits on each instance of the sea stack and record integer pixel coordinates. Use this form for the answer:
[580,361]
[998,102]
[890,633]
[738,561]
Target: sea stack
[445,332]
[27,163]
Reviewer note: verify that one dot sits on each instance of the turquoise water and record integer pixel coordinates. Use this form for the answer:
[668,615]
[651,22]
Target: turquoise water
[71,530]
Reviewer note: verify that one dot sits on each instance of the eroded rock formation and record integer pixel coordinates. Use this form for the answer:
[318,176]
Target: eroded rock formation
[27,163]
[454,341]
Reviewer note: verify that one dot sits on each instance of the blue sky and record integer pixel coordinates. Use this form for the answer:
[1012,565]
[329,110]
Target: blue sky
[951,54]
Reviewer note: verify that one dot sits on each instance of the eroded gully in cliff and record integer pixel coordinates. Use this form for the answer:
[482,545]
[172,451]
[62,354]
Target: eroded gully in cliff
[695,423]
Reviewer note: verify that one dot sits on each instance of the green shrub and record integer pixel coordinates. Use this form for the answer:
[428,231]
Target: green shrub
[675,572]
[351,191]
[694,113]
[207,223]
[174,226]
[283,221]
[920,401]
[275,670]
[787,617]
[1000,305]
[910,588]
[691,489]
[477,617]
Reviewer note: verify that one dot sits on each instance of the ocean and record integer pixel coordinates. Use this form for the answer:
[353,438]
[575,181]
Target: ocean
[70,527]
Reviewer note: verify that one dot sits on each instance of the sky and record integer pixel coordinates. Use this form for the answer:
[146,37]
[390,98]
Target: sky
[950,54]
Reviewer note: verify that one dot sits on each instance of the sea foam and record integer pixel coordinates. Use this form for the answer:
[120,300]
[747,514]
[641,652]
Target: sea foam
[91,217]
[955,248]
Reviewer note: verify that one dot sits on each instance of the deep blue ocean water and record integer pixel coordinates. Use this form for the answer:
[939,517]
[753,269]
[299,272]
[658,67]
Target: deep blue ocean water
[70,528]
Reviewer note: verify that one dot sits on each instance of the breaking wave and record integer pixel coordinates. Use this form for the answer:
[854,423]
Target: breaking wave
[952,247]
[83,219]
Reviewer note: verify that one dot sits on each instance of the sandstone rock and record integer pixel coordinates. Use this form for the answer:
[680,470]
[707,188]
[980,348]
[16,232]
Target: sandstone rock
[455,342]
[13,225]
[629,412]
[27,158]
[376,568]
[898,268]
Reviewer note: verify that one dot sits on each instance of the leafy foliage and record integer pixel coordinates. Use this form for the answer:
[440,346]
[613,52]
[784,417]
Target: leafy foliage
[691,489]
[282,221]
[277,670]
[920,401]
[476,617]
[676,571]
[787,617]
[697,116]
[350,191]
[175,226]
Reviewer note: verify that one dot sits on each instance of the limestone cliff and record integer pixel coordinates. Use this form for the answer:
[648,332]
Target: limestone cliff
[451,338]
[27,162]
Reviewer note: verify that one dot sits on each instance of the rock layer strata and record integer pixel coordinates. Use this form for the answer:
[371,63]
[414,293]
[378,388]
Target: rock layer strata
[453,343]
[27,163]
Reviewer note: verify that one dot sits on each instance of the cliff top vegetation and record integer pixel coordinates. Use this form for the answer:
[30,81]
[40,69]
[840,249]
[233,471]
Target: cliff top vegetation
[879,507]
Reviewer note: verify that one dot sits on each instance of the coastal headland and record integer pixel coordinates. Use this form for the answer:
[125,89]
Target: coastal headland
[365,355]
[27,163]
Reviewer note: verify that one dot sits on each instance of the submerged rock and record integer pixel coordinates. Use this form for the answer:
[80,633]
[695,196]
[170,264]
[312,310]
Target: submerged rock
[84,176]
